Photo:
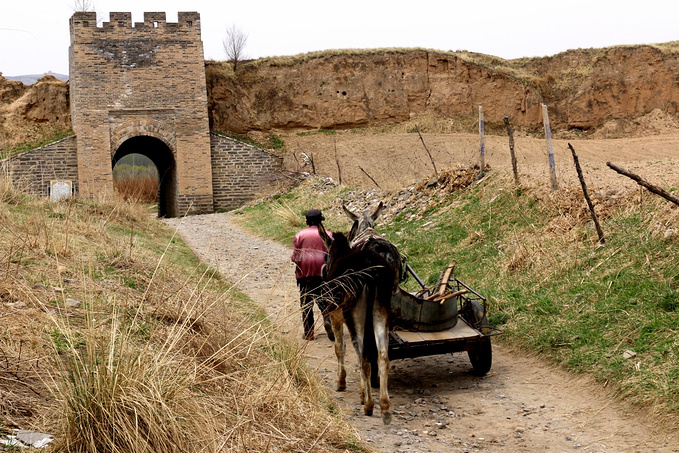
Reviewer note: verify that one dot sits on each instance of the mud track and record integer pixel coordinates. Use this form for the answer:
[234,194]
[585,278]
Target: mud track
[523,404]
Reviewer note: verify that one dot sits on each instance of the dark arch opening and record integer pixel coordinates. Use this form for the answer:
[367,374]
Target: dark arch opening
[162,157]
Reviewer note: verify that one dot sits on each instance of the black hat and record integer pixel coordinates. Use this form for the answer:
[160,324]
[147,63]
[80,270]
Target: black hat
[314,214]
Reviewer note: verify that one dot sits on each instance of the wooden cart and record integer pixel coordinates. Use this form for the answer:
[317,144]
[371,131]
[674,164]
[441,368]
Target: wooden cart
[449,318]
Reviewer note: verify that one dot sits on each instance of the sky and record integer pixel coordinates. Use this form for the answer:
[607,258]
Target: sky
[34,36]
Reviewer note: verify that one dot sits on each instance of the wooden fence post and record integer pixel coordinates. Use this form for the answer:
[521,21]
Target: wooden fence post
[482,140]
[339,168]
[510,132]
[599,231]
[550,148]
[433,164]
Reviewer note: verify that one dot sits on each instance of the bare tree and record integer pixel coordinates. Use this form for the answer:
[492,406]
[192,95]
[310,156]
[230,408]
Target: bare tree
[83,5]
[234,45]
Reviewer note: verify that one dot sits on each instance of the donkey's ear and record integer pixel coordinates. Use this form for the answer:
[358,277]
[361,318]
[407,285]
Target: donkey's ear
[353,231]
[324,235]
[377,212]
[350,214]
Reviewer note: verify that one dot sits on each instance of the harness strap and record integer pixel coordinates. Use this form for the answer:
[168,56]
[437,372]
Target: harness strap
[365,236]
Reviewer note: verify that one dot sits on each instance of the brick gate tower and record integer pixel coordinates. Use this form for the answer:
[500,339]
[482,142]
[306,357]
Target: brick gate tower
[141,89]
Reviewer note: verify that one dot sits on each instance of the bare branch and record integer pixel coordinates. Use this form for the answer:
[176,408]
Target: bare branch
[371,178]
[576,161]
[234,45]
[510,133]
[642,182]
[339,168]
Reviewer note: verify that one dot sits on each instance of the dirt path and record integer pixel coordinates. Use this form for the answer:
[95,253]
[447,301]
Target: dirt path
[439,406]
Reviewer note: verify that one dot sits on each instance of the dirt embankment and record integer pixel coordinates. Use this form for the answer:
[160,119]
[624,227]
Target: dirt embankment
[24,110]
[583,88]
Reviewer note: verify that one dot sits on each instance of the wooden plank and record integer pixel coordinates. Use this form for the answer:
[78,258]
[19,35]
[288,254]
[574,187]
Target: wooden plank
[408,336]
[459,331]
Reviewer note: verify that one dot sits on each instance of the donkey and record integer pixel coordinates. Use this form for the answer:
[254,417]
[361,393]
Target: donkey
[359,289]
[366,237]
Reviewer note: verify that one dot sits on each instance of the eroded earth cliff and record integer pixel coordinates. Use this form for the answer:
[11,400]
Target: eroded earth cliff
[584,89]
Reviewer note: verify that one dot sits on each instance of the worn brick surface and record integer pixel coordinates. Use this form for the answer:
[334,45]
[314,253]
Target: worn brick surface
[32,171]
[239,171]
[142,79]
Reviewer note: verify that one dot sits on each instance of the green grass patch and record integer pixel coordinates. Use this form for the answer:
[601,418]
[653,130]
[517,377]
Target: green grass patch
[40,136]
[549,285]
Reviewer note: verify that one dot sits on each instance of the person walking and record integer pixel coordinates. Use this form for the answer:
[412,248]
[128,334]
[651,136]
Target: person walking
[308,254]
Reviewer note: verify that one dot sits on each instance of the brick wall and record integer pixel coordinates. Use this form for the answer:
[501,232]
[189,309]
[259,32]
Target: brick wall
[32,171]
[239,171]
[146,78]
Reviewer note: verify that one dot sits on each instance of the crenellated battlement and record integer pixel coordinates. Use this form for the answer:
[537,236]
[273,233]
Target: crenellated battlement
[84,23]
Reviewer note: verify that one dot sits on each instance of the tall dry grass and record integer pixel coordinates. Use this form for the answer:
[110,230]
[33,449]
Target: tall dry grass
[137,188]
[161,354]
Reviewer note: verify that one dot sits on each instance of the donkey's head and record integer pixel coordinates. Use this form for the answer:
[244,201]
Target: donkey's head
[338,245]
[365,222]
[339,250]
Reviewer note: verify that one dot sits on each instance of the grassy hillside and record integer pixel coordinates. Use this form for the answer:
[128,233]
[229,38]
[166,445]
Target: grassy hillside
[114,338]
[611,311]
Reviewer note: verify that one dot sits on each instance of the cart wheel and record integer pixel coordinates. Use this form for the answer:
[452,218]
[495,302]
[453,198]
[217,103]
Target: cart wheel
[481,356]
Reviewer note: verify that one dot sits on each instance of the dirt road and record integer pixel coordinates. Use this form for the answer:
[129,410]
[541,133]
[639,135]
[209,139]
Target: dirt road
[523,404]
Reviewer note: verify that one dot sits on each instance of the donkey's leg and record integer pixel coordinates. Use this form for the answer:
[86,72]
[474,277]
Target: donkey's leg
[381,326]
[357,329]
[337,321]
[366,390]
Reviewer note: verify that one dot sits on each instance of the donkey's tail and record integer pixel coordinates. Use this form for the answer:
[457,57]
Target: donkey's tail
[369,343]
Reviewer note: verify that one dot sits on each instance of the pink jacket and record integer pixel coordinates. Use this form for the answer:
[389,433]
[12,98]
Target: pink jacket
[308,252]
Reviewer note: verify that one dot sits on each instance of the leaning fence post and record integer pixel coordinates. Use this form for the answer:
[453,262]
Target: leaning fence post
[550,148]
[433,164]
[642,182]
[599,231]
[482,140]
[510,132]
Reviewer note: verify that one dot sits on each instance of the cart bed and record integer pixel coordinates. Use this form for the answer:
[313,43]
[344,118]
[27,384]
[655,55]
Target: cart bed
[406,344]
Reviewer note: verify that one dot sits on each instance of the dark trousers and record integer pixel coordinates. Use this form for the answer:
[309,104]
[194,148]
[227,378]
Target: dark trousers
[310,292]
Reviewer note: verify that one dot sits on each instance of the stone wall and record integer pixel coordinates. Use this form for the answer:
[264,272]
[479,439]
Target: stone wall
[33,170]
[239,171]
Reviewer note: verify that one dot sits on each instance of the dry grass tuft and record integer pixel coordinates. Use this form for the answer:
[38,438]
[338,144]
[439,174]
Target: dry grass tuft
[8,192]
[288,216]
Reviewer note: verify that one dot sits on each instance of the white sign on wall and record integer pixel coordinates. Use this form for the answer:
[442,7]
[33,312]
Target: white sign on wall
[60,189]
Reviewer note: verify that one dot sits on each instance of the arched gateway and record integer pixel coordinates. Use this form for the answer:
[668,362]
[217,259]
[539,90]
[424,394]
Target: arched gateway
[140,88]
